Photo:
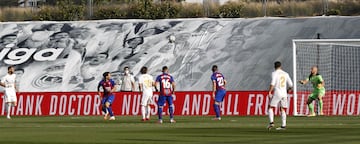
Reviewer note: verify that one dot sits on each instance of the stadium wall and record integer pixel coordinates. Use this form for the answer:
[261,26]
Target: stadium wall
[68,56]
[186,103]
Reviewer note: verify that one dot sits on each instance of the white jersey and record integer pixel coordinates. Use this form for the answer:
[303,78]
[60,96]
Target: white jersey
[147,83]
[280,80]
[9,90]
[9,81]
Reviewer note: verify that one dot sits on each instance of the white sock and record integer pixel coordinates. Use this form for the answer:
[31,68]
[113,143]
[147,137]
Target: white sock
[148,110]
[143,111]
[271,115]
[283,118]
[8,109]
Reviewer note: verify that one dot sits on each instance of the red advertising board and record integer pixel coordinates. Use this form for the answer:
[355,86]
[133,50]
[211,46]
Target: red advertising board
[236,103]
[344,103]
[185,103]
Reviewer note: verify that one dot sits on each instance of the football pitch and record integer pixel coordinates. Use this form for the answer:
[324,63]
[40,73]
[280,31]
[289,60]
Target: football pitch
[188,129]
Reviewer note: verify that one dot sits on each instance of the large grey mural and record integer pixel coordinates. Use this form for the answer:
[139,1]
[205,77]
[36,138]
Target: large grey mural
[71,56]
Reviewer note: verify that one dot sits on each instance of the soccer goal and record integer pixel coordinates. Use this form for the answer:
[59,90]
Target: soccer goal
[338,61]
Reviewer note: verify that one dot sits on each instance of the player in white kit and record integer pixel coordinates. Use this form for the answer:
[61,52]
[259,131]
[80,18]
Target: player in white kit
[10,89]
[146,84]
[281,84]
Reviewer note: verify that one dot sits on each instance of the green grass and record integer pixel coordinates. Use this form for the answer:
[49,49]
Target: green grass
[190,129]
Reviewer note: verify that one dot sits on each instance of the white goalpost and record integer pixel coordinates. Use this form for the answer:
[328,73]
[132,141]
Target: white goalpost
[338,61]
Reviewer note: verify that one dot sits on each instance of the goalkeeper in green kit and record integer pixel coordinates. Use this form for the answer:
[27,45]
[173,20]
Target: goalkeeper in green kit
[319,91]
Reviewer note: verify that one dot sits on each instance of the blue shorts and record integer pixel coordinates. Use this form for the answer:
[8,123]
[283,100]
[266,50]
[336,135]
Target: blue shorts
[110,99]
[219,95]
[162,99]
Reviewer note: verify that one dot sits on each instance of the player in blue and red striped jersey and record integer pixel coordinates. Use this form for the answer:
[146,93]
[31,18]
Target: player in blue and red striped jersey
[219,91]
[108,86]
[167,87]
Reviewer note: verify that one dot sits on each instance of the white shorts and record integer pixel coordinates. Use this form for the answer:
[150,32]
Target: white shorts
[10,95]
[275,100]
[146,99]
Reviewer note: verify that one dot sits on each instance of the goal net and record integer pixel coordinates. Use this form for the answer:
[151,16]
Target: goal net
[338,61]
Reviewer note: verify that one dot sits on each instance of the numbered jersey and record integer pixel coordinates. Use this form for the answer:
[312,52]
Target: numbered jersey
[165,81]
[219,79]
[280,80]
[146,81]
[107,86]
